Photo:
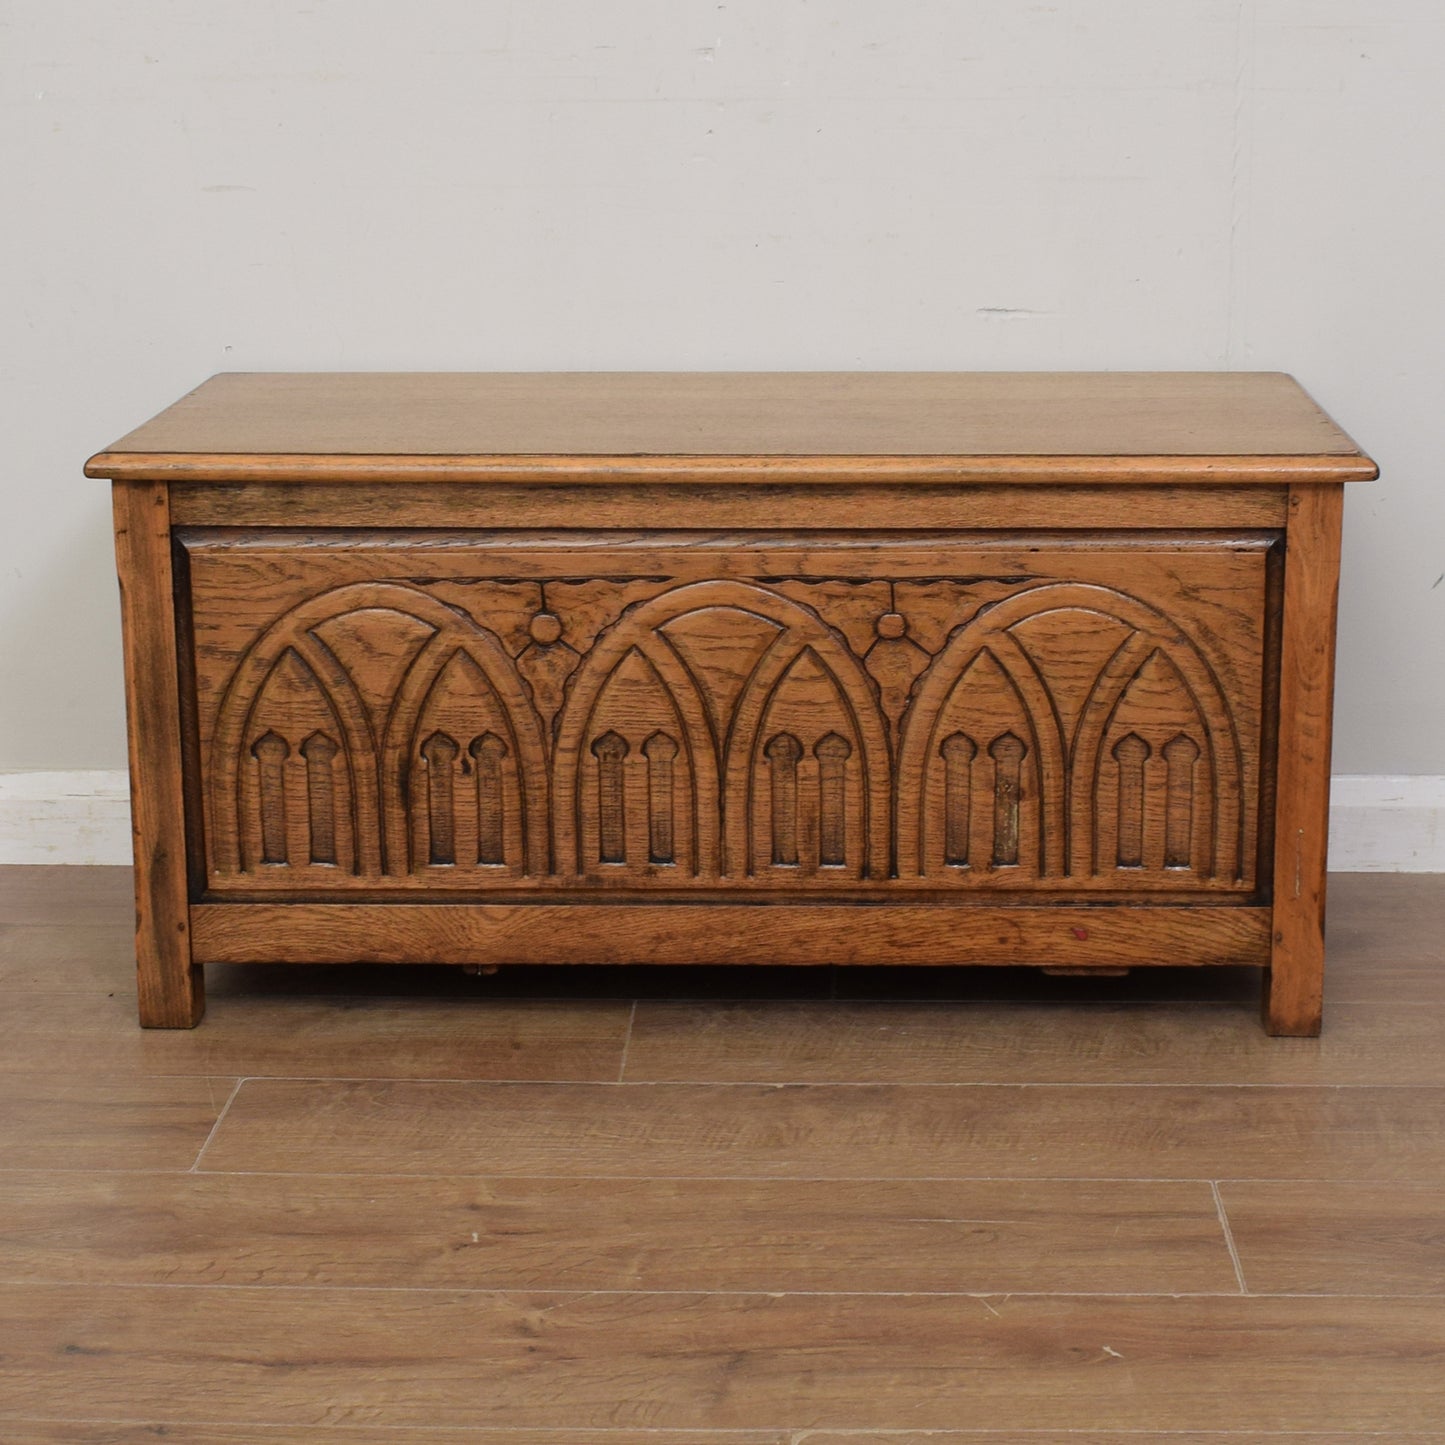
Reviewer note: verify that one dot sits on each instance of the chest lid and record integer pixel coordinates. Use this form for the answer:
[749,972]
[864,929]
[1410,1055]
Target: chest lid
[1219,427]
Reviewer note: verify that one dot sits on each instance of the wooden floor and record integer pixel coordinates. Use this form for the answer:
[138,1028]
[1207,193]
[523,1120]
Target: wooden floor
[719,1207]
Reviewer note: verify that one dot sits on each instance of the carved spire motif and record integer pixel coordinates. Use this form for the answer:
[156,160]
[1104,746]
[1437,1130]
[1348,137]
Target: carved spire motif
[894,662]
[546,663]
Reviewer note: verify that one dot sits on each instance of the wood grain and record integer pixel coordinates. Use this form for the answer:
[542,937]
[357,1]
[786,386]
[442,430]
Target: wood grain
[428,1038]
[537,1360]
[726,933]
[170,986]
[1237,986]
[66,1012]
[1294,985]
[1231,422]
[53,1432]
[29,894]
[343,678]
[1075,1039]
[915,470]
[1145,504]
[827,1131]
[36,1432]
[1384,952]
[1338,1237]
[1099,1437]
[619,1234]
[1385,932]
[58,959]
[156,1297]
[61,1121]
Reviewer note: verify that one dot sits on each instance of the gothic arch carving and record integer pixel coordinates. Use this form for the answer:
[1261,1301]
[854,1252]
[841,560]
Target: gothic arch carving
[375,754]
[721,724]
[1067,734]
[928,723]
[1072,760]
[460,638]
[636,633]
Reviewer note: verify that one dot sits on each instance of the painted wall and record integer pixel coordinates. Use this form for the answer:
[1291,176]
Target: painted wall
[198,186]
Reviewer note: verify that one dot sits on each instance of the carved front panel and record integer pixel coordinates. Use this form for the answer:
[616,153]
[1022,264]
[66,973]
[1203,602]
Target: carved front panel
[763,712]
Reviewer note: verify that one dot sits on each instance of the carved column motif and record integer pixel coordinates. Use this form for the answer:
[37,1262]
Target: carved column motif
[487,752]
[660,750]
[832,753]
[320,752]
[783,753]
[610,750]
[440,752]
[1180,755]
[1007,753]
[271,751]
[958,753]
[1131,753]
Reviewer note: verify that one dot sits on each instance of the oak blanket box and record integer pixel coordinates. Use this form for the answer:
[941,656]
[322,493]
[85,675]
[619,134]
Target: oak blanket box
[924,668]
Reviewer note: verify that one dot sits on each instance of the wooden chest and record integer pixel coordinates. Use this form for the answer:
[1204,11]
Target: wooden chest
[802,668]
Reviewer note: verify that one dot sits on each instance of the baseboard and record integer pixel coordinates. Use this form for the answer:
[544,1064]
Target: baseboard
[1378,824]
[1383,824]
[80,817]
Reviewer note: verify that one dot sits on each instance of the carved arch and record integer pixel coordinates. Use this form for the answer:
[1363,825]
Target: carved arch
[723,766]
[920,745]
[1069,766]
[484,650]
[630,634]
[377,789]
[804,631]
[1222,754]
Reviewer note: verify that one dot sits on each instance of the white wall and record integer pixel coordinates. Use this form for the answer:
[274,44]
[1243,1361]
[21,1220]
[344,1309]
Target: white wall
[197,186]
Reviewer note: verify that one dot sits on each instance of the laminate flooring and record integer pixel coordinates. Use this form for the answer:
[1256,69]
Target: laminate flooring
[719,1206]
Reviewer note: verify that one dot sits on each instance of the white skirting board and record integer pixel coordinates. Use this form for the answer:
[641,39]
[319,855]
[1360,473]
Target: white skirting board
[80,817]
[1383,824]
[1378,824]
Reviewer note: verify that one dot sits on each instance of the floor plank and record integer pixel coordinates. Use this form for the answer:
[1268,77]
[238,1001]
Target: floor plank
[526,981]
[29,894]
[1091,1437]
[1338,1237]
[549,1282]
[1385,938]
[1238,986]
[60,1121]
[823,1041]
[333,1038]
[828,1131]
[55,1432]
[612,1234]
[37,1432]
[399,1358]
[74,959]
